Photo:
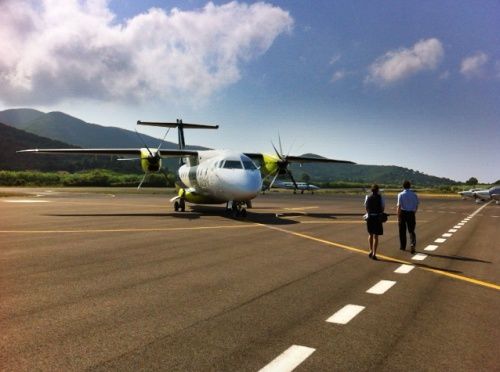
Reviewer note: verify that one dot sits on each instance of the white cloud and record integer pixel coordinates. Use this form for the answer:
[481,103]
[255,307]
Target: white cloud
[53,49]
[335,59]
[473,66]
[399,64]
[338,75]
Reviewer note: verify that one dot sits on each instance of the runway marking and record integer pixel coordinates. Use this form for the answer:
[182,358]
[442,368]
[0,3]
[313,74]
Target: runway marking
[457,227]
[26,201]
[452,230]
[128,230]
[431,248]
[447,235]
[419,257]
[460,224]
[289,359]
[300,208]
[463,278]
[440,240]
[404,269]
[381,287]
[346,314]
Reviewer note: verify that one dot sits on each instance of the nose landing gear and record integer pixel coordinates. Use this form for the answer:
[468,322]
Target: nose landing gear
[236,208]
[180,205]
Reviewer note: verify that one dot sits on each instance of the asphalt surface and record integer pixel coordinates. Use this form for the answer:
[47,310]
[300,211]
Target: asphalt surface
[121,282]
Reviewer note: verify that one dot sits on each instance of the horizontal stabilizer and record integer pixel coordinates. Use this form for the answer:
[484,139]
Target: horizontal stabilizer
[175,125]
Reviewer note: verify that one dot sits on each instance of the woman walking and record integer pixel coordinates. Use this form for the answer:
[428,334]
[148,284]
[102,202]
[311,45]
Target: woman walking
[375,206]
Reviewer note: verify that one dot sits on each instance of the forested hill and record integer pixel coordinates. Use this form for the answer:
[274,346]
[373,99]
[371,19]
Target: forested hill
[66,128]
[12,140]
[382,174]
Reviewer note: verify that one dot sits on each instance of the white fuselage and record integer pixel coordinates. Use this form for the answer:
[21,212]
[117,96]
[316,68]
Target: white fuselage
[219,176]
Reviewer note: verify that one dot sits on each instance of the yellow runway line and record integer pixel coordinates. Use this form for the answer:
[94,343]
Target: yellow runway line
[481,283]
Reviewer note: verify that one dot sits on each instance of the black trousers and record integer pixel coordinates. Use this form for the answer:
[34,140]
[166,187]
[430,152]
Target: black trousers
[407,221]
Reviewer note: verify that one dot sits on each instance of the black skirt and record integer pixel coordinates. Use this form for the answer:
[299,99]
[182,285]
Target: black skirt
[374,225]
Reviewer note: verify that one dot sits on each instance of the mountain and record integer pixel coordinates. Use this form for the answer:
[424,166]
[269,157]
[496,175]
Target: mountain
[18,117]
[12,140]
[382,174]
[66,128]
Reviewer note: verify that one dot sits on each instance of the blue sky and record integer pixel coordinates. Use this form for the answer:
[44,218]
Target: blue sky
[414,84]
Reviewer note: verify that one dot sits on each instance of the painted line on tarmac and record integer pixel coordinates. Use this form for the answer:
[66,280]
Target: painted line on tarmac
[381,287]
[290,359]
[404,269]
[159,229]
[26,201]
[440,240]
[387,258]
[346,314]
[419,257]
[431,247]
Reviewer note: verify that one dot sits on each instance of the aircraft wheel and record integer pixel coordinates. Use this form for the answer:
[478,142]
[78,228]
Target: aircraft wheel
[176,206]
[243,212]
[182,205]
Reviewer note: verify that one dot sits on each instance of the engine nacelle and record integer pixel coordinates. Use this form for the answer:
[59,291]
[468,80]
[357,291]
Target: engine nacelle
[269,164]
[150,164]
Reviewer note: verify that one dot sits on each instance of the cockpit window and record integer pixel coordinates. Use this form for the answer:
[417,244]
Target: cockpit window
[232,164]
[248,164]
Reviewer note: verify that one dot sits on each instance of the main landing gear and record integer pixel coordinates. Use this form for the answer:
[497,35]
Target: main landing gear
[180,205]
[237,208]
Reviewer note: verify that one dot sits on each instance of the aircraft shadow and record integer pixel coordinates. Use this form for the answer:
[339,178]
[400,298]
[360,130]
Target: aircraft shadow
[459,258]
[422,265]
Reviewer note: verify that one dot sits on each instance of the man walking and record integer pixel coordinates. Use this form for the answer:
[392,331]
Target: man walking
[407,206]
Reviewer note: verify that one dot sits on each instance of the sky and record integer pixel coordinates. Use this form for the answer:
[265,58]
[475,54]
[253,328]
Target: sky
[407,83]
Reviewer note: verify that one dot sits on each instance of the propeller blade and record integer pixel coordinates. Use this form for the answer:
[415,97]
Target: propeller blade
[293,179]
[144,142]
[143,178]
[277,152]
[161,143]
[274,179]
[281,147]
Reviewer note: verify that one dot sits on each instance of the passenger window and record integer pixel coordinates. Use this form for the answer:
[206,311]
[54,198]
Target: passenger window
[232,164]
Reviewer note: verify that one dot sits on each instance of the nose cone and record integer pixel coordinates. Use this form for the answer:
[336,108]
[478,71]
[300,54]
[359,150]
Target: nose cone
[242,185]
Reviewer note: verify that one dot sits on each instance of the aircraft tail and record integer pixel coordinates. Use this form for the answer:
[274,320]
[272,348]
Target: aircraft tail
[180,126]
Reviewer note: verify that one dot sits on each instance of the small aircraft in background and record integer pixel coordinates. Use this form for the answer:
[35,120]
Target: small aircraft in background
[482,195]
[301,186]
[207,176]
[469,194]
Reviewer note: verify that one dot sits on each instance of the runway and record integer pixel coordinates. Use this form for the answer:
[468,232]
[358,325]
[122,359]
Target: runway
[118,281]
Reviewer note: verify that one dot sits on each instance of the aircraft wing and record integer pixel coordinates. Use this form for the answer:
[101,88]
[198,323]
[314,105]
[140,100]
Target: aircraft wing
[112,151]
[299,159]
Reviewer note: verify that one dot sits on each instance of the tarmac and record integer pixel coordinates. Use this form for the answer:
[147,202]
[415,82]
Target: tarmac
[119,281]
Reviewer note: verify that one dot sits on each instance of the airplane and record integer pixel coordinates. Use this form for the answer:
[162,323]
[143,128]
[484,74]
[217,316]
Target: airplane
[495,194]
[483,195]
[207,176]
[302,186]
[467,194]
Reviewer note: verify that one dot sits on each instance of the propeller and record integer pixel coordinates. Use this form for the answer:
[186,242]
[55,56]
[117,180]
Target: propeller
[282,165]
[153,158]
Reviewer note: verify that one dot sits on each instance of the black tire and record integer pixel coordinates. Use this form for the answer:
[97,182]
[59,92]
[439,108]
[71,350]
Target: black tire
[183,205]
[176,206]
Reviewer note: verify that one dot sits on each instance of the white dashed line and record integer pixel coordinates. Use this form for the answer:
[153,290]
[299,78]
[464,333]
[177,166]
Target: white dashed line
[457,227]
[452,230]
[447,235]
[381,287]
[26,201]
[461,224]
[404,269]
[345,315]
[289,359]
[431,248]
[440,240]
[419,257]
